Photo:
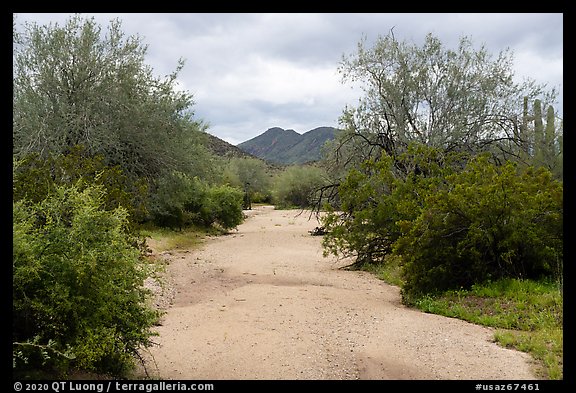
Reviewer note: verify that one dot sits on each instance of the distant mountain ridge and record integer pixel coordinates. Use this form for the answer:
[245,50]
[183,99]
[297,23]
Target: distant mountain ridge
[224,149]
[287,146]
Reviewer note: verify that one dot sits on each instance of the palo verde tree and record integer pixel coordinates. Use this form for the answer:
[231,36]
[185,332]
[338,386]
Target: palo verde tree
[78,84]
[251,175]
[462,99]
[426,113]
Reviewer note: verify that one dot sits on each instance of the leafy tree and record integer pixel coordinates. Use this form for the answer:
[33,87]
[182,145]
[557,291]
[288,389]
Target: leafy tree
[373,201]
[298,185]
[251,175]
[78,295]
[363,226]
[454,220]
[404,152]
[76,84]
[36,177]
[456,100]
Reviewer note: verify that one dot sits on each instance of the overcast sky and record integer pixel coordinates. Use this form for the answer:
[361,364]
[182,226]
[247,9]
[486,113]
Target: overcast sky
[251,72]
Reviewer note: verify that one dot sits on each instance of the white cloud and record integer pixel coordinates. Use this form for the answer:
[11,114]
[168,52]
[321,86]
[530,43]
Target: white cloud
[278,81]
[249,72]
[533,65]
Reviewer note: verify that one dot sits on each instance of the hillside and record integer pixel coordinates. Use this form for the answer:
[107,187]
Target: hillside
[224,149]
[287,146]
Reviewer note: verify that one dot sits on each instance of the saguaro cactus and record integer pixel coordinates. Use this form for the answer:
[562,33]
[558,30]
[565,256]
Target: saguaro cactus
[538,133]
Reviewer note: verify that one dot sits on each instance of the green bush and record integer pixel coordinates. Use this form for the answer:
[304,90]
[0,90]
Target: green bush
[489,222]
[181,201]
[376,197]
[453,220]
[364,225]
[177,200]
[78,295]
[296,186]
[223,205]
[35,177]
[251,174]
[258,197]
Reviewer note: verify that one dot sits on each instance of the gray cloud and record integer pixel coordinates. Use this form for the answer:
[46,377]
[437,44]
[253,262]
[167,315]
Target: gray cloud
[250,72]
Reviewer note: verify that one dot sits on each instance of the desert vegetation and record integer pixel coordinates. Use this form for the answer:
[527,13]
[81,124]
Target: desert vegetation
[101,148]
[446,179]
[450,184]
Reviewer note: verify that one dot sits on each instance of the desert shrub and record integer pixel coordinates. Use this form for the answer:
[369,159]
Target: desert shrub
[259,197]
[176,200]
[78,295]
[35,177]
[452,219]
[240,171]
[378,195]
[364,226]
[223,205]
[489,222]
[180,200]
[296,186]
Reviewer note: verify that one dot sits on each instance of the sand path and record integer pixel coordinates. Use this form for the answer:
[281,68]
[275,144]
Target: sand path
[263,303]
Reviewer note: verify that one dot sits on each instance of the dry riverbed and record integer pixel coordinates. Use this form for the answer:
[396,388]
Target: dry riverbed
[263,303]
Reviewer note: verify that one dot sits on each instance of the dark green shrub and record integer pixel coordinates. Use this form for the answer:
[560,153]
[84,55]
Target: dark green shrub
[78,295]
[223,205]
[180,201]
[36,177]
[377,196]
[177,200]
[453,220]
[364,226]
[489,222]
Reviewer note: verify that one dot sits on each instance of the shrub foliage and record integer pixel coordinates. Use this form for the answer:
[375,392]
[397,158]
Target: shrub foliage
[180,201]
[297,185]
[78,295]
[453,220]
[489,222]
[35,177]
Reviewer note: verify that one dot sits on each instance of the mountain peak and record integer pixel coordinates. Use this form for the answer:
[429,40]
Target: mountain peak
[288,146]
[278,131]
[274,130]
